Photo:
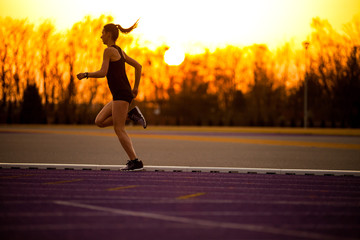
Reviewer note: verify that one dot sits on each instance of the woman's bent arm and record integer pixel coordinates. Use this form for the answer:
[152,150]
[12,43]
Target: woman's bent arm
[104,68]
[138,69]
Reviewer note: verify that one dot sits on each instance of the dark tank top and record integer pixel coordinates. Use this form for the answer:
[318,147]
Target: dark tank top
[117,79]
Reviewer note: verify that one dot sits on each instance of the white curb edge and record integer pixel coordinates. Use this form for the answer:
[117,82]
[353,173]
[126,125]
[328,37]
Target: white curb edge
[183,169]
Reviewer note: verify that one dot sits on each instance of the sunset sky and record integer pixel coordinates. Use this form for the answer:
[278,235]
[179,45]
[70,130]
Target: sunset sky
[196,24]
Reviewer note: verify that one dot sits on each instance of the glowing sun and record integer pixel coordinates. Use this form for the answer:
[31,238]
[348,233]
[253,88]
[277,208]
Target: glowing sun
[174,56]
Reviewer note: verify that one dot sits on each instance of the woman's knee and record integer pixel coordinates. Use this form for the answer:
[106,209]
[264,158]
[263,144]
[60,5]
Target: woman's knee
[119,130]
[104,114]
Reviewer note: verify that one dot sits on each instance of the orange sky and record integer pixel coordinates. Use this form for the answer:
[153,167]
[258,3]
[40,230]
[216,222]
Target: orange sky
[196,24]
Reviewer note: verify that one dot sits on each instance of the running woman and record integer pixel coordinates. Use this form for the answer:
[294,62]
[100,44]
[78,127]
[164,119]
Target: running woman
[115,112]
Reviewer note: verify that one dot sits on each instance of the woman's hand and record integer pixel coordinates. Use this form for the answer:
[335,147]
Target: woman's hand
[135,92]
[81,76]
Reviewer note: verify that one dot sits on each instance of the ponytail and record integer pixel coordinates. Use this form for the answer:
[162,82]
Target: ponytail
[114,29]
[127,30]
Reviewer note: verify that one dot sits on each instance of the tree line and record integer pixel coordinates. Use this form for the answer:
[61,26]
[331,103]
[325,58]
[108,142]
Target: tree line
[232,86]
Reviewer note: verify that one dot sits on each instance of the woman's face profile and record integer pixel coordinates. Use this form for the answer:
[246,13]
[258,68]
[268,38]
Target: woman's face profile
[105,36]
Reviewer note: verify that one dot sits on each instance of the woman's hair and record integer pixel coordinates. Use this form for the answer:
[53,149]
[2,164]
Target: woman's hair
[114,29]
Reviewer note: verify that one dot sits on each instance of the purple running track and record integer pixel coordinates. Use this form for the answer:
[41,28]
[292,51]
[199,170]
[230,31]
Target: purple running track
[80,204]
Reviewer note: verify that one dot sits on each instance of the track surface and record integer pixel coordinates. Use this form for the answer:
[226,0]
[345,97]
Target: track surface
[70,204]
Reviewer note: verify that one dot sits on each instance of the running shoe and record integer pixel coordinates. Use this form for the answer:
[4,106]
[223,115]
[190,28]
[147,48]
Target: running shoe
[136,116]
[133,165]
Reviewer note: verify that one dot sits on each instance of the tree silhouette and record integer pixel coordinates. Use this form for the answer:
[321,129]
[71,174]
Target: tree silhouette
[31,107]
[248,85]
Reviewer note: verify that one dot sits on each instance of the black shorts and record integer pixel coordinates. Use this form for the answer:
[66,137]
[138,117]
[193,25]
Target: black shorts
[122,95]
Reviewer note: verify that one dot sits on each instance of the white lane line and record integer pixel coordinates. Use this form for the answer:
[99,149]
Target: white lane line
[203,223]
[129,200]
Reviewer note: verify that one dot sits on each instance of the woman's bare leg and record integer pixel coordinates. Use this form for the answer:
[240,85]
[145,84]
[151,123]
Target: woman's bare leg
[119,115]
[104,117]
[115,114]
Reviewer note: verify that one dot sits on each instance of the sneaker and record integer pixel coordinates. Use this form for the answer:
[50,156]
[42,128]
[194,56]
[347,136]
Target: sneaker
[133,165]
[136,116]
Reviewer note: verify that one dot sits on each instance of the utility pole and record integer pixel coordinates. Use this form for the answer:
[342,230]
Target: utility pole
[306,46]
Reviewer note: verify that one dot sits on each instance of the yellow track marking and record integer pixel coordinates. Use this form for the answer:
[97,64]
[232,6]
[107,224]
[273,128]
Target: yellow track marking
[191,195]
[204,139]
[251,141]
[122,187]
[274,130]
[66,181]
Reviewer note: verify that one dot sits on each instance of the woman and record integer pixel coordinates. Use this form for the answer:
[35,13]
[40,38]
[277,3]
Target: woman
[115,112]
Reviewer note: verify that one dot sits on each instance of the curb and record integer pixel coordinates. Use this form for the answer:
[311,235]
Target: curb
[182,169]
